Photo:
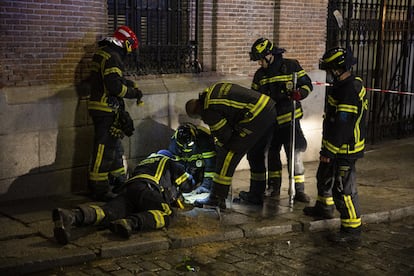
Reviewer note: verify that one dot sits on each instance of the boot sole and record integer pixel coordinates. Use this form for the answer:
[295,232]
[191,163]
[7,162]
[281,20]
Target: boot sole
[59,232]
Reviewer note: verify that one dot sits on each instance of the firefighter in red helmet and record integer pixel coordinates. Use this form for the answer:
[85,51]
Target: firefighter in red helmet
[106,106]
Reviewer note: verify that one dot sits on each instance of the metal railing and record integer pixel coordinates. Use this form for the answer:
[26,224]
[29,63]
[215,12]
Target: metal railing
[167,31]
[380,34]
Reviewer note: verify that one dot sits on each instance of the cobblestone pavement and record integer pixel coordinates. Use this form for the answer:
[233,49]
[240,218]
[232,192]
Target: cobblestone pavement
[387,249]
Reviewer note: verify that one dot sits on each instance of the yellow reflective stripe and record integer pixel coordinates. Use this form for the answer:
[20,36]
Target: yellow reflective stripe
[158,217]
[184,177]
[258,176]
[257,108]
[190,158]
[102,106]
[98,159]
[299,178]
[209,174]
[230,103]
[344,149]
[222,179]
[226,163]
[347,108]
[156,178]
[218,125]
[98,176]
[100,214]
[307,88]
[281,78]
[287,117]
[124,90]
[208,154]
[337,54]
[111,70]
[118,172]
[103,54]
[326,200]
[255,86]
[166,208]
[332,101]
[275,174]
[350,207]
[351,223]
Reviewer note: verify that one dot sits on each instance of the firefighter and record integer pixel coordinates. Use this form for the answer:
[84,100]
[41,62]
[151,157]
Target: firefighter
[275,79]
[145,203]
[343,142]
[194,147]
[107,108]
[238,117]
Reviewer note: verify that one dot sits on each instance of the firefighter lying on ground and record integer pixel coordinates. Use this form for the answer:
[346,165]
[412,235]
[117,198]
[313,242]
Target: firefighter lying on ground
[238,117]
[106,106]
[194,147]
[145,202]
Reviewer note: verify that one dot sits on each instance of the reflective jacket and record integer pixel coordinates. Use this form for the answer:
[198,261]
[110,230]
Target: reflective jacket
[164,174]
[275,80]
[229,109]
[200,161]
[344,122]
[108,85]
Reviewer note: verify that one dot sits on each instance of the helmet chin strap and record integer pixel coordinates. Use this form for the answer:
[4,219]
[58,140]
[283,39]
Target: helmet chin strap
[268,61]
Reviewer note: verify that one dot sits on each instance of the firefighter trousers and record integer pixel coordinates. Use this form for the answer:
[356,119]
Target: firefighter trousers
[336,183]
[229,156]
[143,204]
[106,167]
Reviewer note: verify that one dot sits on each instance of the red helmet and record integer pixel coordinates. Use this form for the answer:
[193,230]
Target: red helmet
[127,37]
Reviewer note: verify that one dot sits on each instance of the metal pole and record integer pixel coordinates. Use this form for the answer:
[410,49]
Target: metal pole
[292,147]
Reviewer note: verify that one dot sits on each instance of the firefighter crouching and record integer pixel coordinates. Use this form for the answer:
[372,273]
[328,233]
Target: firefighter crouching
[238,117]
[145,203]
[107,108]
[194,147]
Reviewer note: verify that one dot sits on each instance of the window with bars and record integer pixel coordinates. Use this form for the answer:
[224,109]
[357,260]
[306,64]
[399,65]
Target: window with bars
[167,31]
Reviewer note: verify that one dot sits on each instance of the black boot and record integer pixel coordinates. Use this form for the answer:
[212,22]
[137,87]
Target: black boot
[350,238]
[64,220]
[301,197]
[274,185]
[256,192]
[251,198]
[320,211]
[300,193]
[216,198]
[123,227]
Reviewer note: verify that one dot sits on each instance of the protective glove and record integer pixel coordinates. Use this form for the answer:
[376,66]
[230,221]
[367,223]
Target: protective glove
[295,95]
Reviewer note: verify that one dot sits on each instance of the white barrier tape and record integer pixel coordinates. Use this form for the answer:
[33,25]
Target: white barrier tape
[369,89]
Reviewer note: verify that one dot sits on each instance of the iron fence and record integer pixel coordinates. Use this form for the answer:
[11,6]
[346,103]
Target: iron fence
[380,33]
[167,31]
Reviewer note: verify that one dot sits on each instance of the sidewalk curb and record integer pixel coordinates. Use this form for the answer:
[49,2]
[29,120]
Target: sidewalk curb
[80,255]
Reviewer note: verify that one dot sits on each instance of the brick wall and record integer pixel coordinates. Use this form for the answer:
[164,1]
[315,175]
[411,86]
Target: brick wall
[301,30]
[229,28]
[44,42]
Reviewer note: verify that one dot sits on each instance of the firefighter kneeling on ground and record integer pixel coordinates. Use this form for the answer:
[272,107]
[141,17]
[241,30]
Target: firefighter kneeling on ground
[194,147]
[145,202]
